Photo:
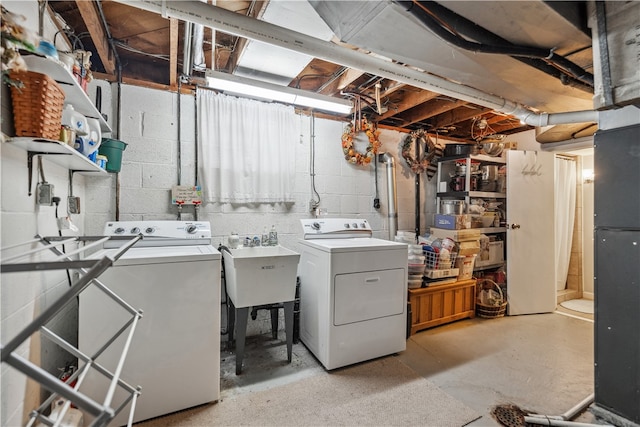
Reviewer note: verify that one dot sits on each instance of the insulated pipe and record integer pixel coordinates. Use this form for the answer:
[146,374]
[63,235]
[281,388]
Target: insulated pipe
[391,192]
[197,53]
[254,29]
[470,29]
[421,13]
[187,55]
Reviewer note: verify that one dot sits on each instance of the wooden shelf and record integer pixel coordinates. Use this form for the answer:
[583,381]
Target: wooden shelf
[480,266]
[439,304]
[480,157]
[74,94]
[491,230]
[477,194]
[59,153]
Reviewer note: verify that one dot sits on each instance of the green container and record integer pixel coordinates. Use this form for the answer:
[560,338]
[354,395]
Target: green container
[112,148]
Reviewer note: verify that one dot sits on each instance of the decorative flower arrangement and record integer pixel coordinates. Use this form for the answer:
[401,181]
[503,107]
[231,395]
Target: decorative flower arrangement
[418,165]
[348,137]
[14,37]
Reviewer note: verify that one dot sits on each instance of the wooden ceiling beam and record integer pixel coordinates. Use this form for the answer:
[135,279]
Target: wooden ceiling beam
[173,53]
[98,34]
[410,100]
[457,115]
[428,110]
[344,80]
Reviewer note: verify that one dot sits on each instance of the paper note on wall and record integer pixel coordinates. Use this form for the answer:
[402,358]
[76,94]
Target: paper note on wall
[186,195]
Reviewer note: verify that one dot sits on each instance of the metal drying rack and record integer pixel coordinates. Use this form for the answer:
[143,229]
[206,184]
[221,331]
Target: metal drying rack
[69,389]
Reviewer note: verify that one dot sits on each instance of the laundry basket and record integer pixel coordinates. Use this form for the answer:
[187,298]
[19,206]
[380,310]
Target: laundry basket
[492,307]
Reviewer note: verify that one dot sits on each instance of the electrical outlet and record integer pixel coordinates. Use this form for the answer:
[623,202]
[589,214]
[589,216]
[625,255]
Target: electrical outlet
[73,204]
[44,194]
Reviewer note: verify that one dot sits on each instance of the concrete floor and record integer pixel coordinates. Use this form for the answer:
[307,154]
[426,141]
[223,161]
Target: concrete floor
[540,363]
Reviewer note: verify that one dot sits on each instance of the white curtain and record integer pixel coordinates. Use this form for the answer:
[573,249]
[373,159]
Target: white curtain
[246,149]
[565,202]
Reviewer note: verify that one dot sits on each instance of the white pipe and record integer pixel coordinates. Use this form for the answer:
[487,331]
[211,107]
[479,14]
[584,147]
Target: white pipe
[254,29]
[562,420]
[579,407]
[560,423]
[391,192]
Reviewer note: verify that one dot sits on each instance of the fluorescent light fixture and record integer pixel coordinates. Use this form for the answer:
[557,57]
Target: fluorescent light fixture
[258,89]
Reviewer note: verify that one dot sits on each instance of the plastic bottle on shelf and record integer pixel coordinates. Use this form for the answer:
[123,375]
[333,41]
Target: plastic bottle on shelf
[75,120]
[265,237]
[273,236]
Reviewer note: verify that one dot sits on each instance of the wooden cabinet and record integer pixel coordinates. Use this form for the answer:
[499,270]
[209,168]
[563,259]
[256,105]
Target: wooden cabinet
[439,304]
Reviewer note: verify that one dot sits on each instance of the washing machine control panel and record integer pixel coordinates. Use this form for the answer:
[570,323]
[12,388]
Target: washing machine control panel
[333,228]
[162,232]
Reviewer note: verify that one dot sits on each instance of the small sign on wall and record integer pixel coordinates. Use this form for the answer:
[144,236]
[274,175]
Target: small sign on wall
[186,195]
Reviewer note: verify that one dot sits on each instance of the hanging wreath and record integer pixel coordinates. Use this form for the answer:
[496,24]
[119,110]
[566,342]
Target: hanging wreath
[428,150]
[349,136]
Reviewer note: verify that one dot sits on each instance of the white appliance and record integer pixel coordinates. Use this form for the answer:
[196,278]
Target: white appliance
[173,275]
[353,292]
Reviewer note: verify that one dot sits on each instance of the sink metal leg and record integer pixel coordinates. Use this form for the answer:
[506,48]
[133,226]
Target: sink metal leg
[231,322]
[242,315]
[288,326]
[274,323]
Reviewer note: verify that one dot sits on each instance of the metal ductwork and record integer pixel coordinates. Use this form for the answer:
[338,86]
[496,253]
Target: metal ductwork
[391,192]
[250,28]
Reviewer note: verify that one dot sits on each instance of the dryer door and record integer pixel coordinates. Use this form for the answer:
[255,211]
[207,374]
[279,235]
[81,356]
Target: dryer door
[368,295]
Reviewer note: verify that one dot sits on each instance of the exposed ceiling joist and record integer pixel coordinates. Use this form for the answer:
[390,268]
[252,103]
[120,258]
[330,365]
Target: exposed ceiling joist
[98,34]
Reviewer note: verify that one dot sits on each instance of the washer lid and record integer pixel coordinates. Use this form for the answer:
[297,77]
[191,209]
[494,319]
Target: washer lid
[356,244]
[162,255]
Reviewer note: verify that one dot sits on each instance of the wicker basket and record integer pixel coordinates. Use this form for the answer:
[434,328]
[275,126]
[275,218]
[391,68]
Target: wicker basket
[37,106]
[490,311]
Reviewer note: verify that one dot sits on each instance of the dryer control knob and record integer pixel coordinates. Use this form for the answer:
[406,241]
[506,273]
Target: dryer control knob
[119,230]
[191,229]
[363,225]
[315,226]
[149,230]
[354,225]
[346,225]
[135,230]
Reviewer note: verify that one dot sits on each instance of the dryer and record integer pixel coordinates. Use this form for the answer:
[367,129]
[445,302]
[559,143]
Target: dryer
[353,292]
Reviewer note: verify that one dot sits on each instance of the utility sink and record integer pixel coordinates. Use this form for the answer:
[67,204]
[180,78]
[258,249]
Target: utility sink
[260,275]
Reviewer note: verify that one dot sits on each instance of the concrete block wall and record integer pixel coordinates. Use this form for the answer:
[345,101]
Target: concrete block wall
[23,296]
[149,125]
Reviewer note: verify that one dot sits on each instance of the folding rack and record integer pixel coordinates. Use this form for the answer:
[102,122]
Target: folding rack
[90,270]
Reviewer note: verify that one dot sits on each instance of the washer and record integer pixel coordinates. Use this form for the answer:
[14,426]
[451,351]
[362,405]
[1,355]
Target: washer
[353,292]
[173,275]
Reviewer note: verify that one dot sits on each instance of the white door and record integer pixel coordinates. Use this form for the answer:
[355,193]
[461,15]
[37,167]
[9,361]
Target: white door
[530,232]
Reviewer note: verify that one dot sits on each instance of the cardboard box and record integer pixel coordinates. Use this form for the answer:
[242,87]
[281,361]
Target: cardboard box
[496,251]
[453,222]
[455,235]
[471,247]
[491,255]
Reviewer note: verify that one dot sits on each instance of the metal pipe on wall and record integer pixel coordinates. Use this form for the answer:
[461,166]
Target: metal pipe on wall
[392,201]
[254,29]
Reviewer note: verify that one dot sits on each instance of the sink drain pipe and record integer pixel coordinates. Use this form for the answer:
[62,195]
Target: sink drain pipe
[391,192]
[563,420]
